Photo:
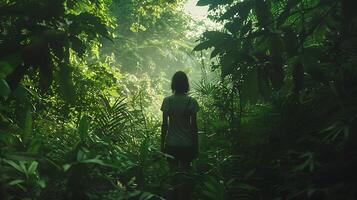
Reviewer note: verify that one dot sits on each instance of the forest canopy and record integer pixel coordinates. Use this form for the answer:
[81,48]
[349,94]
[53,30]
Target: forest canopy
[82,82]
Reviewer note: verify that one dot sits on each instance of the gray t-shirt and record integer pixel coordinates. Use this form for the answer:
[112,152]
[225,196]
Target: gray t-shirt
[179,109]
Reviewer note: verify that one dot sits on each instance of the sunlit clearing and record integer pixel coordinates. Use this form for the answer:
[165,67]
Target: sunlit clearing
[197,12]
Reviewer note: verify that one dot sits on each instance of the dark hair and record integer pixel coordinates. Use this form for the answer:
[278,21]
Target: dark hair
[179,83]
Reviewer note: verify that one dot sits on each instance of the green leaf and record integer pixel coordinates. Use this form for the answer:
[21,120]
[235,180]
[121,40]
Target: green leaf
[81,155]
[20,156]
[247,27]
[14,165]
[309,162]
[97,161]
[247,187]
[146,196]
[242,9]
[213,3]
[221,41]
[23,167]
[204,2]
[215,52]
[216,37]
[5,68]
[202,46]
[66,167]
[4,88]
[234,26]
[32,168]
[285,14]
[41,183]
[17,181]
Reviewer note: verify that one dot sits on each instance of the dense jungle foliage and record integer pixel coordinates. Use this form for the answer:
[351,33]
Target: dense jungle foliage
[82,81]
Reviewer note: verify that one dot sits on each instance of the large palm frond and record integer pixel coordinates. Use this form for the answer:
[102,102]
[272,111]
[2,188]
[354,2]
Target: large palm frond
[113,121]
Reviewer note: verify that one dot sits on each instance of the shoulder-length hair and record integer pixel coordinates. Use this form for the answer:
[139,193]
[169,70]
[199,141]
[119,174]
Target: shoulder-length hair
[179,83]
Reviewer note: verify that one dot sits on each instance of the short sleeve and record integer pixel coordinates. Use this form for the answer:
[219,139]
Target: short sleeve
[165,105]
[194,107]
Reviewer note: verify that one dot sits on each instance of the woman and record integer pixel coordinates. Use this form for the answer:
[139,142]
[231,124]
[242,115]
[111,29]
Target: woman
[179,128]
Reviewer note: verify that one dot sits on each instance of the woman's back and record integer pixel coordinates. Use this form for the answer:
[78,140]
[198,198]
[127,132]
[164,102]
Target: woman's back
[179,109]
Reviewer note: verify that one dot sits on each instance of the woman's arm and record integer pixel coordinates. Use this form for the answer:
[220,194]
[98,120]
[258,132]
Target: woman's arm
[194,130]
[164,128]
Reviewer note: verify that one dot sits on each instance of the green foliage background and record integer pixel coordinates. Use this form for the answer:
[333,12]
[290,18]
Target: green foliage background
[81,83]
